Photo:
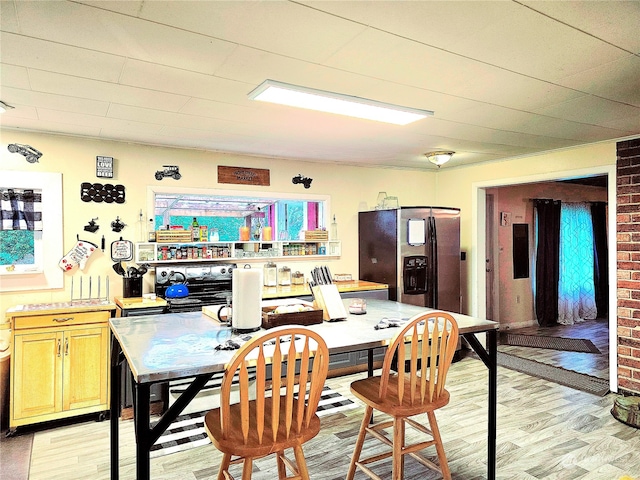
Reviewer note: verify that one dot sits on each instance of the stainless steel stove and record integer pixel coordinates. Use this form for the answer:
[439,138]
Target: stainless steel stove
[207,284]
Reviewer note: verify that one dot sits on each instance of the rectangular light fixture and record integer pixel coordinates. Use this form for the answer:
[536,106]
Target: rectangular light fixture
[303,97]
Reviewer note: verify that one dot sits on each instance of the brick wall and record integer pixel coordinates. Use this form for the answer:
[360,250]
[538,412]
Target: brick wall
[628,268]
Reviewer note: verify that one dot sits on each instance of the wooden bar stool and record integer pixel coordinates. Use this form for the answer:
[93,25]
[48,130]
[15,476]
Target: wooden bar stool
[424,348]
[283,413]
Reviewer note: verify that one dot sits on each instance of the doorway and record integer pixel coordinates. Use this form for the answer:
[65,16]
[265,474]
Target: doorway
[481,303]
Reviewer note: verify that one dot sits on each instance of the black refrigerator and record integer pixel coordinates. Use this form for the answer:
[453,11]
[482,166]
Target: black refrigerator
[416,251]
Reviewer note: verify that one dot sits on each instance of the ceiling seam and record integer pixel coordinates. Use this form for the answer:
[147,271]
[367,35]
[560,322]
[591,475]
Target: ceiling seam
[451,52]
[575,28]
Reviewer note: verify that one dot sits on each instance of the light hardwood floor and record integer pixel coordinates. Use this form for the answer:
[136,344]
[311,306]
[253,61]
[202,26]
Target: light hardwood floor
[545,431]
[591,364]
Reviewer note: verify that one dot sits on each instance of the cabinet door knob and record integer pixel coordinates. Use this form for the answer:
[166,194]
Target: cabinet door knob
[59,347]
[66,347]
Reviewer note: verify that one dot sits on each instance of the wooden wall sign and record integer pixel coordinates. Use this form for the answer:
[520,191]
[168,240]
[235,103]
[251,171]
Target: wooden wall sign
[244,176]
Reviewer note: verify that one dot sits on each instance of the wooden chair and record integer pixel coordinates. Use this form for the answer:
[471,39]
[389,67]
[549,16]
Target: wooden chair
[417,387]
[282,414]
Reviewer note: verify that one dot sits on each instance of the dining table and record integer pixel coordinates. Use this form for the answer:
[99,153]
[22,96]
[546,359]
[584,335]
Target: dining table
[166,347]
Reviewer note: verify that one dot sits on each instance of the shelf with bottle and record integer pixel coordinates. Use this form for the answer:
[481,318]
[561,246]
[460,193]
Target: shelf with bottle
[152,252]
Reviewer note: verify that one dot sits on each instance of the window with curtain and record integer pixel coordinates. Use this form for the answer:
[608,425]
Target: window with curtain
[570,276]
[576,285]
[21,225]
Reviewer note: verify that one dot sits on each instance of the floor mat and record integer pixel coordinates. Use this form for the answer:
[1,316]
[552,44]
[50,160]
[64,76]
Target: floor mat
[561,376]
[187,431]
[552,343]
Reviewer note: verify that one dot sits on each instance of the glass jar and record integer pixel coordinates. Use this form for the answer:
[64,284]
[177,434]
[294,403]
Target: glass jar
[284,276]
[270,275]
[297,278]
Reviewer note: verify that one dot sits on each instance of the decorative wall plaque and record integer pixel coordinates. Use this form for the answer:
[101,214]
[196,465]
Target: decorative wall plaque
[97,192]
[104,167]
[244,176]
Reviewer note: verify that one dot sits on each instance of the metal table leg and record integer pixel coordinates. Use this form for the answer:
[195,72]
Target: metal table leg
[490,358]
[114,408]
[141,418]
[146,435]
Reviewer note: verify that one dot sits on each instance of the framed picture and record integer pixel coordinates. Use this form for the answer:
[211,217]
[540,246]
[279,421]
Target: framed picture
[505,219]
[104,167]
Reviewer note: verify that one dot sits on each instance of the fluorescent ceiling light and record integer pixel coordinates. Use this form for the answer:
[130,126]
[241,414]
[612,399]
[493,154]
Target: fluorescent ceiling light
[303,97]
[4,107]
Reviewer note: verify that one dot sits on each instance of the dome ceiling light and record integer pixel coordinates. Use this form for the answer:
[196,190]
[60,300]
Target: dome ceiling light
[439,158]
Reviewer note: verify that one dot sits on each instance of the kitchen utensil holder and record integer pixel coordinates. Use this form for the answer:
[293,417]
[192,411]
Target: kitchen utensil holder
[132,287]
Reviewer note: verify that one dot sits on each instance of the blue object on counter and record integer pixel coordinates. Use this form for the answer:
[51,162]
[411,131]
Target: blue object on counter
[178,290]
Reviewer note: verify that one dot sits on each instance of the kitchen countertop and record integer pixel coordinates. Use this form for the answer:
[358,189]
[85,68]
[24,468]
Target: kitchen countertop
[301,290]
[139,302]
[59,307]
[268,293]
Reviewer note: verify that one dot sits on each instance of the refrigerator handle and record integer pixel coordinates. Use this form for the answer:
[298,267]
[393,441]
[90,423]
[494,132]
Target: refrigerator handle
[434,260]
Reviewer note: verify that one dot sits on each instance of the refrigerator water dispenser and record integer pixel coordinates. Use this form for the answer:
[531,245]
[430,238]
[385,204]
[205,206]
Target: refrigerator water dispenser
[414,274]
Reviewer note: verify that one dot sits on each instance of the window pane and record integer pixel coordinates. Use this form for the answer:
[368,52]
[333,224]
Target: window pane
[17,247]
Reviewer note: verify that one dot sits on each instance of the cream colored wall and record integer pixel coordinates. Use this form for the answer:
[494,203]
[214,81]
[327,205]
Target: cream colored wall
[351,189]
[514,304]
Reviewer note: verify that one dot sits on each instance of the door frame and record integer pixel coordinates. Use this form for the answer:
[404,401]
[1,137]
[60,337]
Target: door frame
[492,308]
[478,226]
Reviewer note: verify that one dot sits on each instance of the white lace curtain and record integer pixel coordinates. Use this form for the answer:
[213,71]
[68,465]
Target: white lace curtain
[576,289]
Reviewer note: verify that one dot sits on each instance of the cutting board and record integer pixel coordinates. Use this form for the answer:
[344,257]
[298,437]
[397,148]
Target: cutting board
[212,311]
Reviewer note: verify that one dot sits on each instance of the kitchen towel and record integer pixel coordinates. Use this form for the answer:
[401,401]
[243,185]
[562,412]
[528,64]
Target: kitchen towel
[246,285]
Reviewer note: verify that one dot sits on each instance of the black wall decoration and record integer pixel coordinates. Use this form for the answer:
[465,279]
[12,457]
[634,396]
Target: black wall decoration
[97,192]
[117,225]
[306,181]
[92,226]
[172,171]
[520,250]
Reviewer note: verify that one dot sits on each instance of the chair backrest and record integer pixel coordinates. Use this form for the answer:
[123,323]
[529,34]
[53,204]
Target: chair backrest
[295,385]
[424,349]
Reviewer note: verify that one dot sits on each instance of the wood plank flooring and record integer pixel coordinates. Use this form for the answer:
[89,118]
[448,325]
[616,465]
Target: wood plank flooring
[588,363]
[545,431]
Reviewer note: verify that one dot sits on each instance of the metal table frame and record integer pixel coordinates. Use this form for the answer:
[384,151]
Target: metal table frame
[147,434]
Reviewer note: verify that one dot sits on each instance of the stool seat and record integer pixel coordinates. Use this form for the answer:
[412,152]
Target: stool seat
[280,413]
[423,351]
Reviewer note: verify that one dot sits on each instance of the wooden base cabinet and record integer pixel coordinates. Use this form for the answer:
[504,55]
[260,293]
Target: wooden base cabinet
[59,366]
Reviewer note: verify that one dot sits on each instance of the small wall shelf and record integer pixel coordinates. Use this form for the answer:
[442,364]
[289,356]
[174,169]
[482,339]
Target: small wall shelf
[177,252]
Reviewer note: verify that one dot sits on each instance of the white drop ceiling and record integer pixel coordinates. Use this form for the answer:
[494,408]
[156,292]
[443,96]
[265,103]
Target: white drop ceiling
[505,78]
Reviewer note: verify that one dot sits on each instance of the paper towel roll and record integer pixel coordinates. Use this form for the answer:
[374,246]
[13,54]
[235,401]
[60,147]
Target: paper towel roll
[246,284]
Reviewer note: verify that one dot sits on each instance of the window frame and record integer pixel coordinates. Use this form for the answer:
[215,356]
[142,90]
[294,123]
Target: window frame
[325,200]
[45,273]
